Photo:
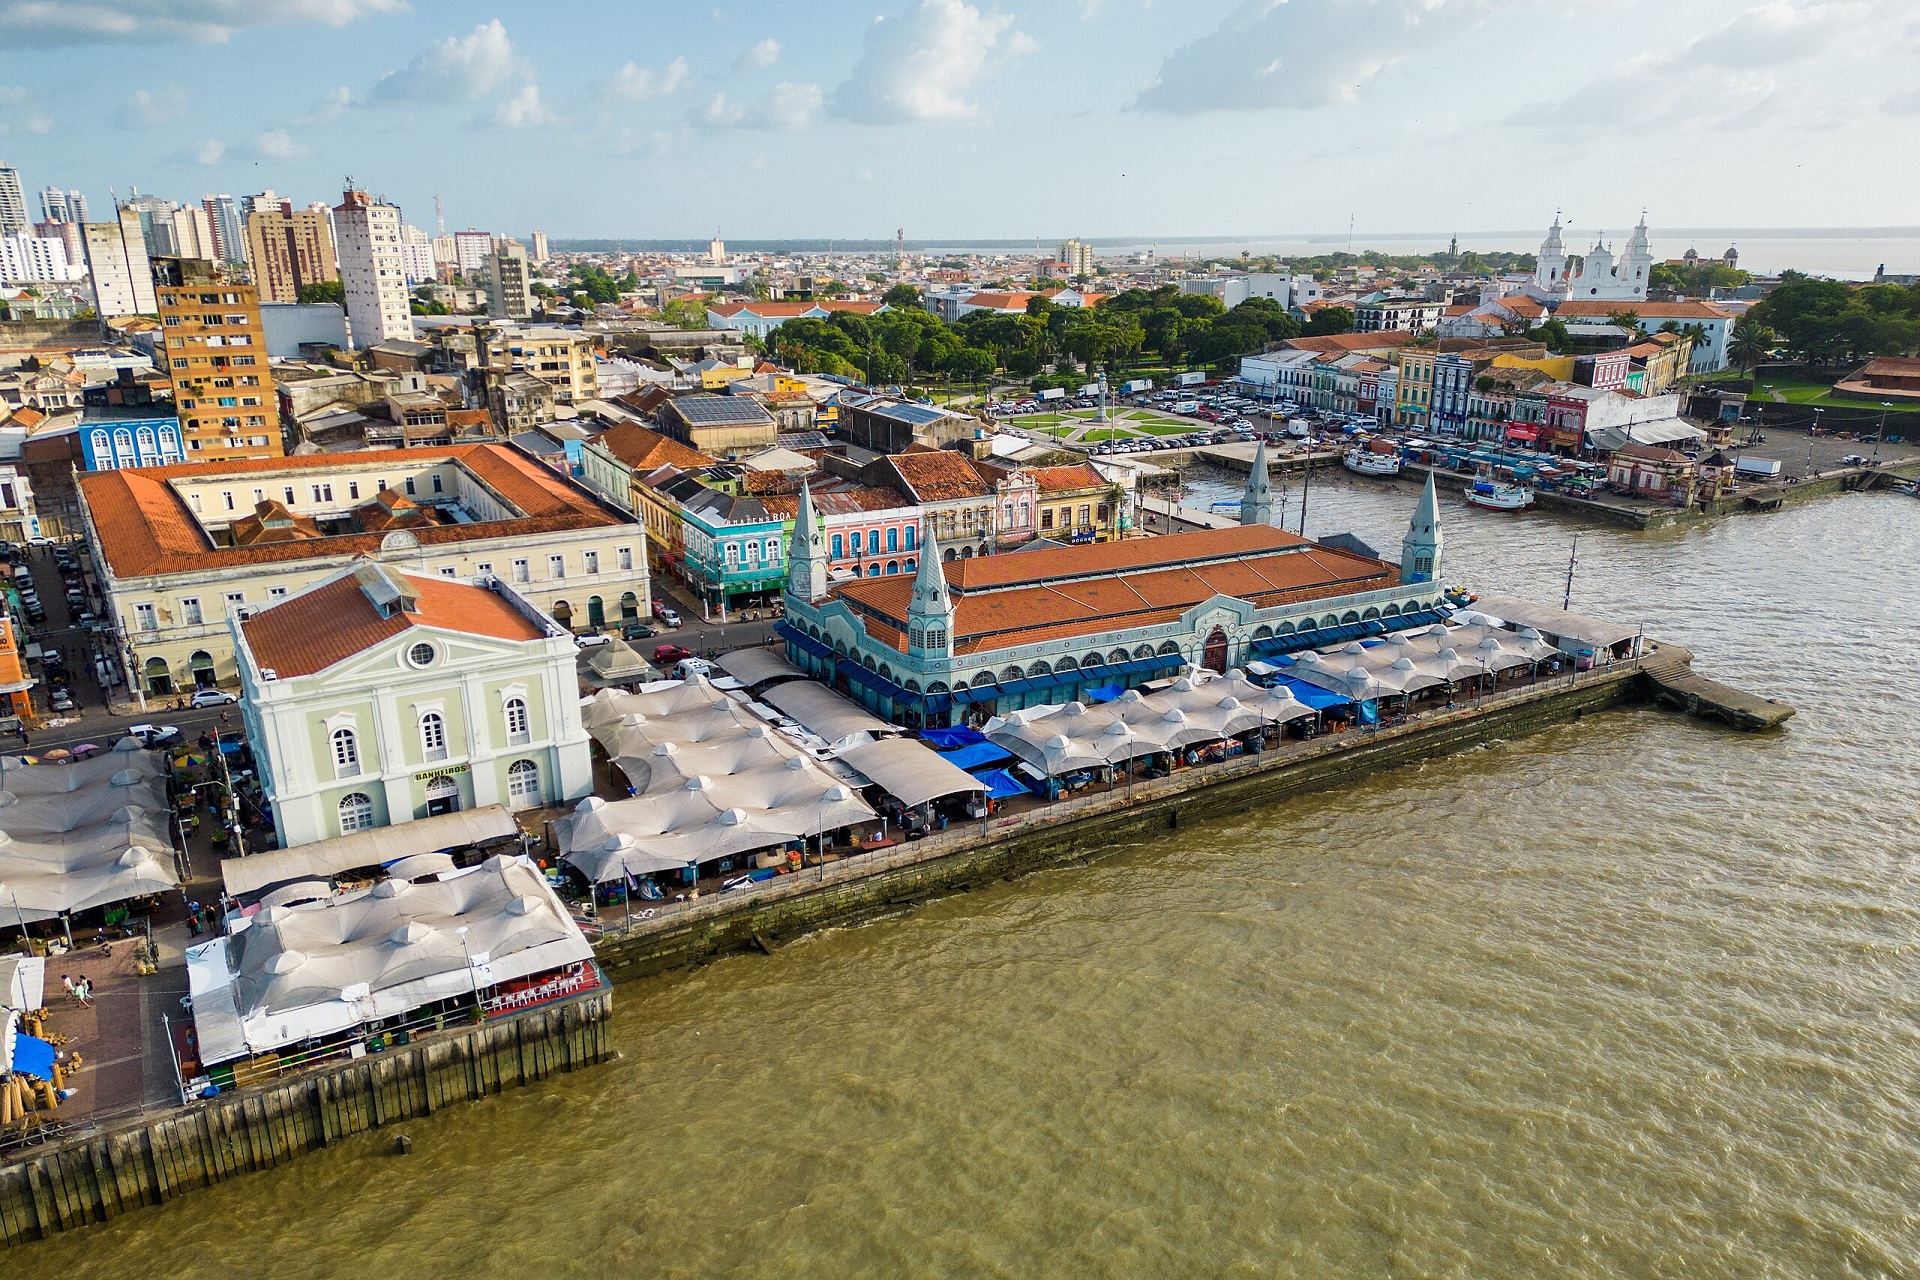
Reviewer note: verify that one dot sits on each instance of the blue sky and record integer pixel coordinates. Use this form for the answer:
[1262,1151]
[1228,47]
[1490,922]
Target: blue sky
[958,118]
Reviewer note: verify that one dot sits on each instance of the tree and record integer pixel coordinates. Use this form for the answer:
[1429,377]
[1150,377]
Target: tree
[324,291]
[1752,342]
[1629,320]
[902,296]
[1329,320]
[1553,333]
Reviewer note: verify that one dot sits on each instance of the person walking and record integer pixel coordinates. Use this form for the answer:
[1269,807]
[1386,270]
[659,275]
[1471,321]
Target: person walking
[83,992]
[67,982]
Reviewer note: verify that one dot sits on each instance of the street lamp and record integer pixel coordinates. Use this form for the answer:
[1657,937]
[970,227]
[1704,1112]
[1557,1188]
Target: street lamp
[19,915]
[1882,433]
[479,1009]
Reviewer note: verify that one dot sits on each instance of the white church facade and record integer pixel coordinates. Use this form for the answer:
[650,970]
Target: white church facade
[1600,277]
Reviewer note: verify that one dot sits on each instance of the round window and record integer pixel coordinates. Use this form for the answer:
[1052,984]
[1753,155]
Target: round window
[420,655]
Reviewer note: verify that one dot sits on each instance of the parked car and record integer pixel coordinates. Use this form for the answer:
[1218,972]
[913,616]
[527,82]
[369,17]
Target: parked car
[42,540]
[593,640]
[212,698]
[62,700]
[154,735]
[688,668]
[637,631]
[667,614]
[665,653]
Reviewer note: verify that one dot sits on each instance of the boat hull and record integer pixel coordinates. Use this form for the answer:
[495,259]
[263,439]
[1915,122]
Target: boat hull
[1501,500]
[1371,464]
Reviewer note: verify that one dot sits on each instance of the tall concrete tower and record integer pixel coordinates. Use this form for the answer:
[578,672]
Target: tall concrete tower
[1421,546]
[807,561]
[930,613]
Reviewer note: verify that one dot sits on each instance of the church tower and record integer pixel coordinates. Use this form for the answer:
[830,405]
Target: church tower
[1636,265]
[1256,501]
[807,562]
[1420,548]
[930,612]
[1550,276]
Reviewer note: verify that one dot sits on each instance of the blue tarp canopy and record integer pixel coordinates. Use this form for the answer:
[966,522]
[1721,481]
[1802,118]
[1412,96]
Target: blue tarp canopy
[1312,694]
[1001,784]
[1105,693]
[974,755]
[32,1056]
[949,739]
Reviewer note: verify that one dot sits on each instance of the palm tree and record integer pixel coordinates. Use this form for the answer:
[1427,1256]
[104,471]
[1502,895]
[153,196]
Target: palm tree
[1752,343]
[1629,320]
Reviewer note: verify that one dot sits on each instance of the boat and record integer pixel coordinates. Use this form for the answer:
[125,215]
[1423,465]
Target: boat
[1358,459]
[1497,495]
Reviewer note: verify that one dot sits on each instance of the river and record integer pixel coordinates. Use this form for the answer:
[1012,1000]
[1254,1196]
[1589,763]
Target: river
[1633,997]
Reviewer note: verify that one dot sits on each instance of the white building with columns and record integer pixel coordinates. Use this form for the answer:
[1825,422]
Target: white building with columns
[375,697]
[1600,278]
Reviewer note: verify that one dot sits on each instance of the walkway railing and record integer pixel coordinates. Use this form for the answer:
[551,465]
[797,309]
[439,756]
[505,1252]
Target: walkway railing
[661,916]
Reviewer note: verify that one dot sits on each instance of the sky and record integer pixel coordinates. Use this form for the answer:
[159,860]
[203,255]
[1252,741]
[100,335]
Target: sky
[957,119]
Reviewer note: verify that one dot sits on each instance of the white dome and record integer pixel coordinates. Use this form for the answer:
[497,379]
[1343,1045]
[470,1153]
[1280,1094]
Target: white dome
[734,817]
[390,888]
[1403,664]
[1357,676]
[1174,715]
[795,764]
[1183,685]
[1353,646]
[525,905]
[1074,708]
[411,933]
[134,857]
[285,962]
[1131,695]
[616,844]
[835,794]
[1229,702]
[699,782]
[590,805]
[1058,742]
[664,748]
[1450,653]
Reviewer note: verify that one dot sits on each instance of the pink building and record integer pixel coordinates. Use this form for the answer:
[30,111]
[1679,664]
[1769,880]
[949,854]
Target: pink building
[869,532]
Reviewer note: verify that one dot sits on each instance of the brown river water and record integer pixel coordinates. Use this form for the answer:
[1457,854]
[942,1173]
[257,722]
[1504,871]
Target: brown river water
[1632,997]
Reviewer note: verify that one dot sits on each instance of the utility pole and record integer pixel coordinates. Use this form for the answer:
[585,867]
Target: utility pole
[1572,560]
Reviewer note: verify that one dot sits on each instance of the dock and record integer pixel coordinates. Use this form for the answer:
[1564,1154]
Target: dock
[1674,684]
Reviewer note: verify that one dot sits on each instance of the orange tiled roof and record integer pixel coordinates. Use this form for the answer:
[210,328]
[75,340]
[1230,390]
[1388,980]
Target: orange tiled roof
[644,450]
[1378,340]
[938,475]
[335,620]
[145,527]
[1004,301]
[1645,310]
[1017,599]
[1079,475]
[272,522]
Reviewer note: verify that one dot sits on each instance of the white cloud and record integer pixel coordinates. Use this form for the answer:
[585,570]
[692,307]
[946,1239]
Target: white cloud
[1302,53]
[337,101]
[455,69]
[277,144]
[764,54]
[151,108]
[917,66]
[523,109]
[785,106]
[45,23]
[10,94]
[1020,44]
[31,123]
[209,152]
[635,83]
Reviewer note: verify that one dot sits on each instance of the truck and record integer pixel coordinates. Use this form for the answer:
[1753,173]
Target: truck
[1054,393]
[1189,379]
[1136,386]
[1758,468]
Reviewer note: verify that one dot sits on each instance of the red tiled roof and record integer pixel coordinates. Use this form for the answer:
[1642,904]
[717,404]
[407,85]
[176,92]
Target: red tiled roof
[1378,341]
[938,475]
[335,620]
[1004,301]
[1020,598]
[1079,475]
[145,527]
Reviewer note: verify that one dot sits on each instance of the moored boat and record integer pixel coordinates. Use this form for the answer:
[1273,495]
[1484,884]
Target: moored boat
[1497,495]
[1360,460]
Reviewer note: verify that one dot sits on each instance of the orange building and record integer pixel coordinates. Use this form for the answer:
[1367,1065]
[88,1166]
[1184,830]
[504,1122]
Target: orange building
[15,685]
[216,353]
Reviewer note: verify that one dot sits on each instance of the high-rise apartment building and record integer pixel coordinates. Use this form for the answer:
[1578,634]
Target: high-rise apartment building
[445,252]
[13,202]
[193,234]
[229,240]
[509,292]
[62,206]
[71,242]
[1078,255]
[287,249]
[117,261]
[539,246]
[371,270]
[32,259]
[470,250]
[156,224]
[416,255]
[216,354]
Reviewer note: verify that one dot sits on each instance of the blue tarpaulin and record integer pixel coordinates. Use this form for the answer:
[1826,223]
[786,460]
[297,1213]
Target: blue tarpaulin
[1105,693]
[949,739]
[976,754]
[33,1056]
[1001,784]
[1312,695]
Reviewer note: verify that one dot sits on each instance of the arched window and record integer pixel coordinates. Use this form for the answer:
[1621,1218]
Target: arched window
[346,754]
[1011,673]
[144,444]
[1369,614]
[519,731]
[123,448]
[873,570]
[102,458]
[936,637]
[911,565]
[893,567]
[1391,611]
[917,638]
[356,812]
[433,736]
[523,785]
[1349,616]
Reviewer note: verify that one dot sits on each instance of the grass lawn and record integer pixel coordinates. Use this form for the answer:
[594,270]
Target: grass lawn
[1168,427]
[1797,391]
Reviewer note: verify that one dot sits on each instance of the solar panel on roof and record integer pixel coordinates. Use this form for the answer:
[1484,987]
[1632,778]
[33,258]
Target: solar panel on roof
[918,414]
[711,410]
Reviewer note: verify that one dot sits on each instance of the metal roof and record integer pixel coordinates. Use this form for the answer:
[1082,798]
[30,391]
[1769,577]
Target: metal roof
[710,411]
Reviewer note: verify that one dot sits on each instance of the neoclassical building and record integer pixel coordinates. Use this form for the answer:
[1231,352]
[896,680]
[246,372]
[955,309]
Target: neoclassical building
[969,638]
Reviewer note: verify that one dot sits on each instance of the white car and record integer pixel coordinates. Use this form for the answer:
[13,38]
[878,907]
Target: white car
[154,735]
[593,640]
[212,698]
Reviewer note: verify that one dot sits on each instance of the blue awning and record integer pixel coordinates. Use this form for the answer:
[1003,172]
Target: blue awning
[874,681]
[1106,692]
[801,640]
[977,754]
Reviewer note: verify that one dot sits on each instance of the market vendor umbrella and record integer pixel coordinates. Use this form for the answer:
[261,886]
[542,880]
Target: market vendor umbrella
[58,753]
[189,761]
[86,749]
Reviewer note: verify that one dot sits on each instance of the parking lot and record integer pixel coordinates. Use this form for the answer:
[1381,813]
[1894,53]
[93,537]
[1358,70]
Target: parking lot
[1167,419]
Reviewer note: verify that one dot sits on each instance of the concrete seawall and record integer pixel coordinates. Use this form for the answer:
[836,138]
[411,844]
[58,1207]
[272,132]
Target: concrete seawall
[97,1176]
[851,893]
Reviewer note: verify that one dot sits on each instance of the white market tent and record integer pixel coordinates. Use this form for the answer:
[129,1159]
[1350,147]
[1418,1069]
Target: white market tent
[87,833]
[825,712]
[1074,737]
[289,974]
[910,771]
[751,666]
[23,983]
[374,847]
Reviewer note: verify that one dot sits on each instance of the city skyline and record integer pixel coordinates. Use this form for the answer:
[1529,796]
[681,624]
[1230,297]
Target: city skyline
[1231,119]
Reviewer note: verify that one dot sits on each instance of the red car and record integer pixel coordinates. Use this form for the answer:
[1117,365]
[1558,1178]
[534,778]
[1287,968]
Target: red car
[663,653]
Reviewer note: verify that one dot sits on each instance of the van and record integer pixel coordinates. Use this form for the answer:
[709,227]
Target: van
[689,668]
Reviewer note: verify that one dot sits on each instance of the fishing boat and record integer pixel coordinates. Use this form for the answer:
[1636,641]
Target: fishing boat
[1359,459]
[1497,495]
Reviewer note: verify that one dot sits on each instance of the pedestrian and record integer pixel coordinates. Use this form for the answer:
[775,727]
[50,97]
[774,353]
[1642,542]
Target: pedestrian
[83,992]
[67,982]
